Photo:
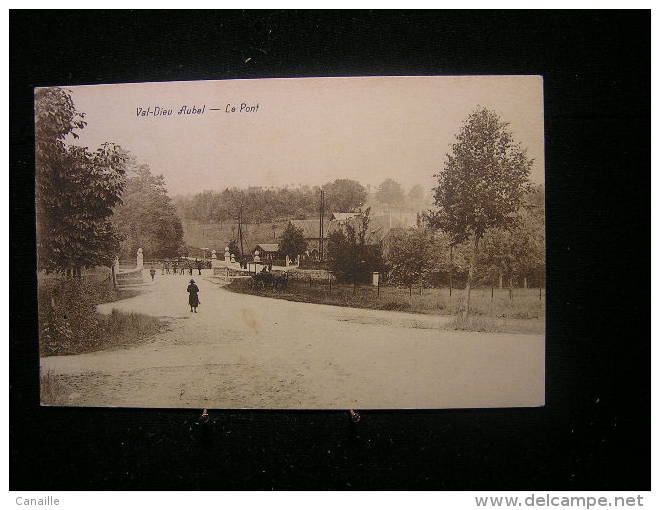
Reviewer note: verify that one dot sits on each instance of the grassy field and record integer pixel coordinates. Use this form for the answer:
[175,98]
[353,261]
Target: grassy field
[523,312]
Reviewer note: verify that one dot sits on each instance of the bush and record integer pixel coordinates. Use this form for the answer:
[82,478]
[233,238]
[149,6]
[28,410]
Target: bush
[51,390]
[69,323]
[474,323]
[395,305]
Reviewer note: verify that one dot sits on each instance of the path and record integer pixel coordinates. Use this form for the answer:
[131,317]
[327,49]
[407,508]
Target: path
[243,351]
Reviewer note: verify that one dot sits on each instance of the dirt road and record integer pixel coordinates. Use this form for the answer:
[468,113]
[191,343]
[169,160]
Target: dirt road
[243,351]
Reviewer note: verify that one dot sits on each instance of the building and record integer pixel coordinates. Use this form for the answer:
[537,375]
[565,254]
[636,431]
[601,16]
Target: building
[267,251]
[343,217]
[310,229]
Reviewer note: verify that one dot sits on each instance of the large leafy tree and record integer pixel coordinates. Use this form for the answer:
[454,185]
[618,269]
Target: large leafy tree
[76,189]
[344,195]
[147,217]
[292,242]
[390,193]
[482,185]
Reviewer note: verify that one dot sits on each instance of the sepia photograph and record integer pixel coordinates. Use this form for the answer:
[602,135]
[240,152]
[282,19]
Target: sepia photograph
[301,243]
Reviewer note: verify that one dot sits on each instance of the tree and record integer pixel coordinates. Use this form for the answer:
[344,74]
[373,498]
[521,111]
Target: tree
[416,196]
[147,217]
[351,256]
[390,193]
[482,185]
[76,189]
[410,255]
[233,247]
[344,195]
[292,242]
[519,252]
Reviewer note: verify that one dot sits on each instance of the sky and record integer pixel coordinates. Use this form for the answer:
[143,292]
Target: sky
[304,130]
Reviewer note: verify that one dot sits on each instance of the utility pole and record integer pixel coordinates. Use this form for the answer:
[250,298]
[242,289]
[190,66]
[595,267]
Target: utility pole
[321,227]
[240,228]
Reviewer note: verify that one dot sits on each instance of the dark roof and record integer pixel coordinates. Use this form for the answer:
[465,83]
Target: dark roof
[343,216]
[266,247]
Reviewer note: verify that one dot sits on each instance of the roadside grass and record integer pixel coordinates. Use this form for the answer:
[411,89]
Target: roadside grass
[436,301]
[51,391]
[523,313]
[70,324]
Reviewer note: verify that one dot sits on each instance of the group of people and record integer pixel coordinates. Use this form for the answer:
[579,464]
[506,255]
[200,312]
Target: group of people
[181,266]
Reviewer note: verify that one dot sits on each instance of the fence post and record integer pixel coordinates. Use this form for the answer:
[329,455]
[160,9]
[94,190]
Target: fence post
[492,295]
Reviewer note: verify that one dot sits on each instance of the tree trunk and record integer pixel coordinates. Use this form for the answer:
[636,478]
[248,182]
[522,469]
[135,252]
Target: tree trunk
[500,280]
[510,289]
[525,282]
[410,289]
[468,287]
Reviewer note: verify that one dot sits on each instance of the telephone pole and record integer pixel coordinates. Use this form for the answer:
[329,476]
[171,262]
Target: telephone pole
[321,228]
[240,228]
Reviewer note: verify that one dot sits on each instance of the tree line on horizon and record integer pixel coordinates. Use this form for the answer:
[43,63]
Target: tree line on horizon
[265,204]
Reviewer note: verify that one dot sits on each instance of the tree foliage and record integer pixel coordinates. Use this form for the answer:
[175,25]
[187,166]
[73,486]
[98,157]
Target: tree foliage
[518,252]
[266,204]
[344,195]
[391,193]
[76,189]
[411,255]
[292,242]
[351,256]
[484,180]
[416,195]
[482,185]
[233,247]
[147,217]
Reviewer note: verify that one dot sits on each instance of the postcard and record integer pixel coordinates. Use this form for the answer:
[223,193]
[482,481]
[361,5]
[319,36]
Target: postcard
[315,243]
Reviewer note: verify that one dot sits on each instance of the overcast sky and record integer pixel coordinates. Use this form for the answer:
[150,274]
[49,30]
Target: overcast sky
[305,131]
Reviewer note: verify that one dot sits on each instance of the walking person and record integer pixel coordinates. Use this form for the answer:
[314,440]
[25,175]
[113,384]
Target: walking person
[152,272]
[193,298]
[174,267]
[198,263]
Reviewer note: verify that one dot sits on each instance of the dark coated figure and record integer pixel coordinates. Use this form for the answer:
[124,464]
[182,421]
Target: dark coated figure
[193,298]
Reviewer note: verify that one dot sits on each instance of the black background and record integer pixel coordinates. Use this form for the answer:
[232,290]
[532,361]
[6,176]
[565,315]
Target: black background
[594,432]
